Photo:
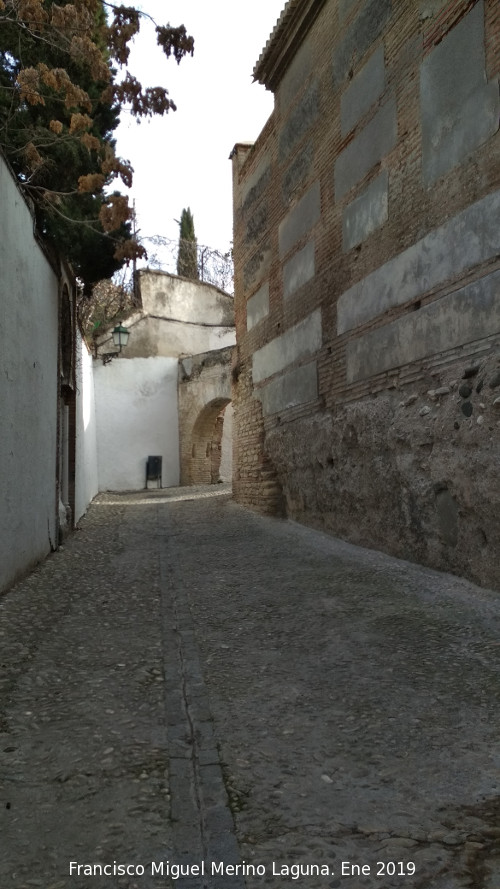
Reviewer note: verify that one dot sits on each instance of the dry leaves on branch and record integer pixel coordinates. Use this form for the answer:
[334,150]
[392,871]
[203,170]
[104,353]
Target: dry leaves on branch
[91,183]
[114,212]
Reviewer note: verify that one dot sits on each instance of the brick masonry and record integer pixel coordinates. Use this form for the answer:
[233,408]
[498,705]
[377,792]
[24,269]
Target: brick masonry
[373,192]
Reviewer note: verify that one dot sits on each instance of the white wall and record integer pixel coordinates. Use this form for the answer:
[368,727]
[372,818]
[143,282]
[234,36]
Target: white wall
[28,389]
[86,480]
[136,414]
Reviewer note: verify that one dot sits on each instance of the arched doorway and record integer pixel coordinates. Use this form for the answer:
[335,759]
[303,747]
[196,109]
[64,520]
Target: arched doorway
[211,444]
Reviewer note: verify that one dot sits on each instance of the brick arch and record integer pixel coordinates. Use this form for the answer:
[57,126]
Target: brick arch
[206,440]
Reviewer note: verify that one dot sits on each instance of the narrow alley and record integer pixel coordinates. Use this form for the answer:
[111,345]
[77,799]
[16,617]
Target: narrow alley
[188,686]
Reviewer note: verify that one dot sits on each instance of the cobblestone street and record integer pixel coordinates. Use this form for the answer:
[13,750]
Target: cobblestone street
[187,682]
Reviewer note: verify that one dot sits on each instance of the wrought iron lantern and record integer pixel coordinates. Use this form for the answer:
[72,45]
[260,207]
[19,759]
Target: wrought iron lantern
[120,336]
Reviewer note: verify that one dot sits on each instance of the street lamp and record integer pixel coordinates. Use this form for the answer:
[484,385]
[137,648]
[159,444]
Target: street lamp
[120,336]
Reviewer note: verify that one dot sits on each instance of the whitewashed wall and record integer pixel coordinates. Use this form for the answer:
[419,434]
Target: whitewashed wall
[28,389]
[136,414]
[86,478]
[167,337]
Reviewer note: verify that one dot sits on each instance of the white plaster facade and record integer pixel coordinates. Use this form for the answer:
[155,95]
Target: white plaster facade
[28,390]
[136,414]
[29,290]
[86,476]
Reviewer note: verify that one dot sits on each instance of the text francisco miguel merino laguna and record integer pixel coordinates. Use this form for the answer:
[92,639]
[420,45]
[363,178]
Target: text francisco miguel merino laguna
[215,868]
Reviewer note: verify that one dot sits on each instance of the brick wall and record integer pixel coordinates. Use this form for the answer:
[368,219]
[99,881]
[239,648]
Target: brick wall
[366,252]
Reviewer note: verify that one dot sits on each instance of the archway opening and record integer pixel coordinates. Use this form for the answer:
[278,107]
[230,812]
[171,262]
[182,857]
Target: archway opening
[211,444]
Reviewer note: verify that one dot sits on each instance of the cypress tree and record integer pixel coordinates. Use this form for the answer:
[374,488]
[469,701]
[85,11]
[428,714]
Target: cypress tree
[187,258]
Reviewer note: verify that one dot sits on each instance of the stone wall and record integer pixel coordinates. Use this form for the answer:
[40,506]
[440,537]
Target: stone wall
[367,275]
[205,417]
[413,472]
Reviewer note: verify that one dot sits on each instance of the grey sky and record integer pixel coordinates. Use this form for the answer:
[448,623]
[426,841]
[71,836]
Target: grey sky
[182,159]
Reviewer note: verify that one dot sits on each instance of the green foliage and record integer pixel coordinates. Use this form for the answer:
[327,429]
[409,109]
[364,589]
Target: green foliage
[187,257]
[60,101]
[42,141]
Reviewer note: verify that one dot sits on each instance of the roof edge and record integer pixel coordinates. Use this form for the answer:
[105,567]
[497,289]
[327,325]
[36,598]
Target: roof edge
[290,31]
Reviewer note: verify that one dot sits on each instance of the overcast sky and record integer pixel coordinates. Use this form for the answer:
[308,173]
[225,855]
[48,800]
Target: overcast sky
[182,159]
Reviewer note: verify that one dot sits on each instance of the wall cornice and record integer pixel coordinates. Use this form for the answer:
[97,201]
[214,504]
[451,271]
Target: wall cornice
[291,29]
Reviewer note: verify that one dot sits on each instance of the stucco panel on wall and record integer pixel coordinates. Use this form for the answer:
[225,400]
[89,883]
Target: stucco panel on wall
[297,386]
[374,141]
[257,225]
[136,410]
[363,91]
[465,241]
[345,7]
[258,306]
[257,268]
[299,269]
[449,140]
[468,314]
[455,68]
[295,77]
[359,36]
[297,173]
[298,342]
[301,118]
[459,109]
[300,219]
[366,213]
[256,184]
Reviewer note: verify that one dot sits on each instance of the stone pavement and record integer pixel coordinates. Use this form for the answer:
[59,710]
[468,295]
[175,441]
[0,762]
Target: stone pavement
[186,681]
